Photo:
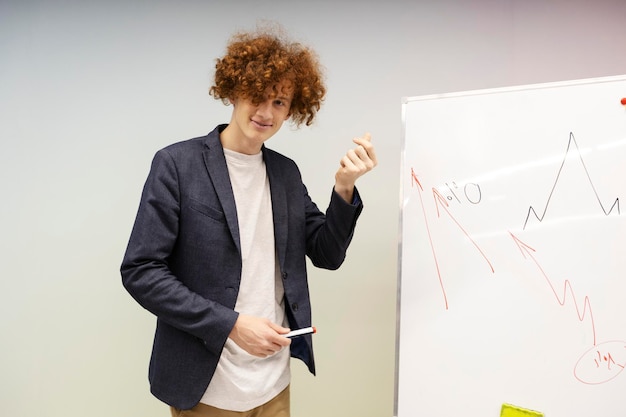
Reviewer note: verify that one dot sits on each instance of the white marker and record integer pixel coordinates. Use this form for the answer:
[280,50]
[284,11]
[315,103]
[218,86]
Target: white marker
[300,332]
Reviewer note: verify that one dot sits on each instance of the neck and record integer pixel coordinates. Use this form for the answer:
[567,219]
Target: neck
[238,142]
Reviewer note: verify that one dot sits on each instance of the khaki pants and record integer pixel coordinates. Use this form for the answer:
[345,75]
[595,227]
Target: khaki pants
[276,407]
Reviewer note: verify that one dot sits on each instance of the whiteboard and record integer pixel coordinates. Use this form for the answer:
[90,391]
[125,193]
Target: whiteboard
[512,256]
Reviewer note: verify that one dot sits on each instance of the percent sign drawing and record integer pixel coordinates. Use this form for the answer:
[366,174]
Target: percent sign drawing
[471,192]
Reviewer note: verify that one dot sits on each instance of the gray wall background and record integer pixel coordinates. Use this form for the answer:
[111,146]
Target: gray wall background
[89,90]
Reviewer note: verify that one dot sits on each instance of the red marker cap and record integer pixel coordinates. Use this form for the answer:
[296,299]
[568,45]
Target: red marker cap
[624,101]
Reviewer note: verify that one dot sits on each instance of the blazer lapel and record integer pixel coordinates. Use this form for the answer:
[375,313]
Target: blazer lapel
[279,204]
[218,172]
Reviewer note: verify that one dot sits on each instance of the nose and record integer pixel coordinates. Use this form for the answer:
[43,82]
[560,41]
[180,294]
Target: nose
[264,109]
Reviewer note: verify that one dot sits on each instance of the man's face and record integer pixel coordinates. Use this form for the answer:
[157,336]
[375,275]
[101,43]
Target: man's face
[251,125]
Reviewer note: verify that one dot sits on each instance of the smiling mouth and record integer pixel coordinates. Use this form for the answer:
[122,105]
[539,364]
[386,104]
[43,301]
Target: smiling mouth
[262,125]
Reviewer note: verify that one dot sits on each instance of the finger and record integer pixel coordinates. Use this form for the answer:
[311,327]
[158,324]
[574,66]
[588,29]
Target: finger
[361,158]
[370,153]
[351,161]
[279,329]
[366,144]
[361,153]
[365,138]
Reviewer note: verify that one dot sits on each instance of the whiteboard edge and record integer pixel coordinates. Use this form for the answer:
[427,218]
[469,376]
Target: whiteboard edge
[404,103]
[497,90]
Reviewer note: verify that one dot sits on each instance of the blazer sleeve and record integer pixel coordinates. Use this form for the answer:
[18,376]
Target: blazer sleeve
[329,235]
[146,271]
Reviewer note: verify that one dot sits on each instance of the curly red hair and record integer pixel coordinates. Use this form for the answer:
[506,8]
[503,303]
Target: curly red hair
[255,62]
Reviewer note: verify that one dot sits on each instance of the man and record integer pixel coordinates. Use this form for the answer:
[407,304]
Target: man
[218,248]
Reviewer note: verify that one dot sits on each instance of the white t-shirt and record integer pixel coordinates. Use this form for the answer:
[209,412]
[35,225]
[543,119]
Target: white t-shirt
[242,381]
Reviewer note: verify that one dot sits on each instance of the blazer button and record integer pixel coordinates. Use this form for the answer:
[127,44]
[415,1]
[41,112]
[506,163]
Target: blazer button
[284,275]
[294,306]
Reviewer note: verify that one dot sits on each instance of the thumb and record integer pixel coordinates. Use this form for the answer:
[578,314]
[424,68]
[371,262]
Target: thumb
[366,136]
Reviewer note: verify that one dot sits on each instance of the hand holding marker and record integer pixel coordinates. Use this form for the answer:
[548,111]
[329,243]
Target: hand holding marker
[300,332]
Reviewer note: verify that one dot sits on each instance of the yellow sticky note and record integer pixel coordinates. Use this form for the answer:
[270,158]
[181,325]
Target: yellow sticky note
[509,410]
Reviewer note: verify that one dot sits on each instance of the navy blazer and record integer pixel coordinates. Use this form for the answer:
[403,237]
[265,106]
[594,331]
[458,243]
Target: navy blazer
[183,260]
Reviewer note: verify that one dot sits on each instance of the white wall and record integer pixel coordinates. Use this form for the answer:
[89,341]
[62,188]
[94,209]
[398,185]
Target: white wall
[89,90]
